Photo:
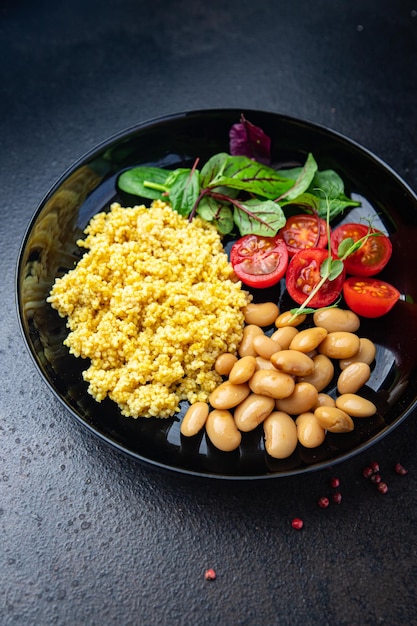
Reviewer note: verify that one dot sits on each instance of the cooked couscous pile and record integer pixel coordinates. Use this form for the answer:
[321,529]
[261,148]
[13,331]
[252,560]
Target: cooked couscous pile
[152,304]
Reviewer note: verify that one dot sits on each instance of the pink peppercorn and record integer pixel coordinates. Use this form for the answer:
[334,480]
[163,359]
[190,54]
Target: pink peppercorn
[367,472]
[297,523]
[337,497]
[334,482]
[382,487]
[400,469]
[210,574]
[323,502]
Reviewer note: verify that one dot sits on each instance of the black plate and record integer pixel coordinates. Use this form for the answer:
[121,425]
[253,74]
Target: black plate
[89,186]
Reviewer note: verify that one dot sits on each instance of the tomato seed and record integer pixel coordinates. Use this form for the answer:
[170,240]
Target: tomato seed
[210,574]
[297,523]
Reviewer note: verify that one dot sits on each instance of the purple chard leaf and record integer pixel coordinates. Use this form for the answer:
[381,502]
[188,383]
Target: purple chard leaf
[249,140]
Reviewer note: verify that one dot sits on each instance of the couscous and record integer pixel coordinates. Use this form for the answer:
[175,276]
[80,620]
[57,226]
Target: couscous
[152,304]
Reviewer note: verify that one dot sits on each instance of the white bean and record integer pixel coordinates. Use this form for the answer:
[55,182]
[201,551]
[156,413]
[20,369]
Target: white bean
[280,435]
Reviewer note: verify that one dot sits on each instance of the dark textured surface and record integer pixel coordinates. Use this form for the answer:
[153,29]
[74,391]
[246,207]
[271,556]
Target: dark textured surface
[89,537]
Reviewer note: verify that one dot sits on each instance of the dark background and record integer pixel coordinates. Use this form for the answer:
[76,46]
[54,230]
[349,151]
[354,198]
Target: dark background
[87,535]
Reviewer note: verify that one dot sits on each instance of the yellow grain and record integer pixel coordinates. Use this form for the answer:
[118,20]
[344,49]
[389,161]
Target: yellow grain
[152,304]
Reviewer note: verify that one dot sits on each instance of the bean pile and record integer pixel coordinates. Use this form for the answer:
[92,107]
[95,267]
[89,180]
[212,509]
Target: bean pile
[280,381]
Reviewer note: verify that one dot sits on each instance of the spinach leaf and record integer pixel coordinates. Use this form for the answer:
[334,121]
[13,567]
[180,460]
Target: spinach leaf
[184,187]
[308,202]
[339,206]
[181,173]
[329,187]
[328,183]
[303,180]
[133,181]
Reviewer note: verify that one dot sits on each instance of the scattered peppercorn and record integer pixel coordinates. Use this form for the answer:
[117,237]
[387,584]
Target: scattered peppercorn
[400,469]
[382,487]
[367,472]
[323,502]
[210,574]
[375,478]
[337,497]
[297,523]
[372,472]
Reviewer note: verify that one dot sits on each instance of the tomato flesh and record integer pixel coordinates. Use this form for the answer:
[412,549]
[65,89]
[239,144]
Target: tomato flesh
[303,274]
[371,257]
[259,261]
[368,296]
[304,231]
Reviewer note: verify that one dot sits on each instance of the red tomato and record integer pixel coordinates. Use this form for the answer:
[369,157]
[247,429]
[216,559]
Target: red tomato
[371,257]
[304,231]
[369,297]
[303,274]
[259,261]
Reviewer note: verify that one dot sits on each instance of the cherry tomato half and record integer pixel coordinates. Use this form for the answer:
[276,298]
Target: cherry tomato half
[368,296]
[371,257]
[259,261]
[304,231]
[303,274]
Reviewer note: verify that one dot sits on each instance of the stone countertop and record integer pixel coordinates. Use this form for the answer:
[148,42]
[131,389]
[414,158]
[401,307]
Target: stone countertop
[88,535]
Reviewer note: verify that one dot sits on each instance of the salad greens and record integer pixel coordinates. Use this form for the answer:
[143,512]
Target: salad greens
[236,191]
